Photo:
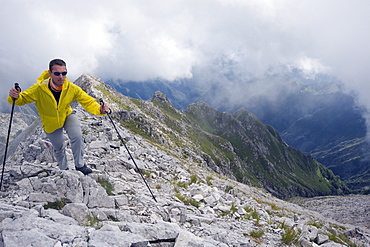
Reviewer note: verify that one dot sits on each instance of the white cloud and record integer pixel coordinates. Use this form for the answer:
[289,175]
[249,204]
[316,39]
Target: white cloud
[139,40]
[311,67]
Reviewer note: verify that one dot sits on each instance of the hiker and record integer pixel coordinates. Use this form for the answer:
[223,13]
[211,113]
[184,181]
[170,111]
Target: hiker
[53,94]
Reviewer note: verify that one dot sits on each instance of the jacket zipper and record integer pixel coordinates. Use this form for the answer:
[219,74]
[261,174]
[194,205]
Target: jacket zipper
[55,103]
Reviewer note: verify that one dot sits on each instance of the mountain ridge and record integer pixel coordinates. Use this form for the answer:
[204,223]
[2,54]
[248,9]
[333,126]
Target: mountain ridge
[310,114]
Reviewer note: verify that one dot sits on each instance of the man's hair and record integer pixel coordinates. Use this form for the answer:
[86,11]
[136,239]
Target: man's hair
[56,61]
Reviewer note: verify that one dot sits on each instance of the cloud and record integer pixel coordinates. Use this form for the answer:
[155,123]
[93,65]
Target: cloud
[310,67]
[141,40]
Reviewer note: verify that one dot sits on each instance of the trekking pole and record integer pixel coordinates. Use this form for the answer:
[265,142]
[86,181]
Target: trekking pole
[16,86]
[132,158]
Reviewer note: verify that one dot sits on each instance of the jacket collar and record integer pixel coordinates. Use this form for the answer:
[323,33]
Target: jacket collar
[45,77]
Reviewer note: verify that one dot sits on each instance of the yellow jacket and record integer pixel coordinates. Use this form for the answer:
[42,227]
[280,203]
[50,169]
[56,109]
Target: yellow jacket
[53,115]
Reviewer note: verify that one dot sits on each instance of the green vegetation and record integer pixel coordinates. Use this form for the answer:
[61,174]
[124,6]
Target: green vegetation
[93,221]
[290,235]
[257,234]
[169,111]
[233,208]
[108,95]
[182,185]
[193,179]
[255,215]
[273,206]
[209,180]
[340,238]
[248,209]
[147,173]
[109,188]
[58,204]
[228,188]
[187,201]
[282,166]
[315,224]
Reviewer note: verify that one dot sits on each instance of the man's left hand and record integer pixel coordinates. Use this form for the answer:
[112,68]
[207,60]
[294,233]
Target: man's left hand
[104,108]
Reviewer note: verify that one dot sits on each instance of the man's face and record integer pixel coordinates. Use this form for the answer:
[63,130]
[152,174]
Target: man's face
[58,80]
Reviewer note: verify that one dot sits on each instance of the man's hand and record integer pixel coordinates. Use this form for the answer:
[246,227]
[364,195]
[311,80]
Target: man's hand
[104,108]
[14,93]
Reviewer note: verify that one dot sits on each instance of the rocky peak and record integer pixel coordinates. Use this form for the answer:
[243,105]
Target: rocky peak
[89,84]
[161,97]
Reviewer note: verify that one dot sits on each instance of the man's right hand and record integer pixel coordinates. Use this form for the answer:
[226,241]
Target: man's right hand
[14,93]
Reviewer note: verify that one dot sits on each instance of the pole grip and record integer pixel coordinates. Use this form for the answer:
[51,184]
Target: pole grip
[16,86]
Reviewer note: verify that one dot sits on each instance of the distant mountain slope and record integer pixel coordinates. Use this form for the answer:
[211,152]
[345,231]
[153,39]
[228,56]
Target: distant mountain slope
[331,128]
[263,155]
[313,115]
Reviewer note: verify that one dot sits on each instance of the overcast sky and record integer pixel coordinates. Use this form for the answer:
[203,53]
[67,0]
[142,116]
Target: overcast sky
[170,39]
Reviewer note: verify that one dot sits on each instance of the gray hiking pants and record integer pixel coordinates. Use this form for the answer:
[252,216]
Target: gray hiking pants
[73,128]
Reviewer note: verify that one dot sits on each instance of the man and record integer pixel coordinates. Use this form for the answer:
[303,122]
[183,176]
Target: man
[53,94]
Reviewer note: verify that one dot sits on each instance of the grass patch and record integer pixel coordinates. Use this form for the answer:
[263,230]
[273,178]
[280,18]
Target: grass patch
[187,201]
[233,208]
[257,234]
[255,215]
[228,188]
[180,197]
[290,235]
[58,204]
[340,238]
[193,179]
[315,224]
[147,173]
[182,185]
[248,209]
[107,94]
[93,221]
[209,180]
[109,188]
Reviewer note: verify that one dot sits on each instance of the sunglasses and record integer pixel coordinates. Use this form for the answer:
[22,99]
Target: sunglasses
[60,73]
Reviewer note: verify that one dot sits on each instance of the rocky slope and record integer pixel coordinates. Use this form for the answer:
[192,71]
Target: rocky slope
[43,206]
[353,209]
[20,122]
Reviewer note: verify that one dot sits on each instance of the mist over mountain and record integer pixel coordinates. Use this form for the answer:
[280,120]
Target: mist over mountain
[313,113]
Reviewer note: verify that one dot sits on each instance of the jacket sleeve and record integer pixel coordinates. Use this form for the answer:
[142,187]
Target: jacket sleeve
[27,96]
[88,102]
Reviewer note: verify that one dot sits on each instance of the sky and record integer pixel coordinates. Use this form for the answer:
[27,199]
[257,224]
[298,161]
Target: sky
[173,39]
